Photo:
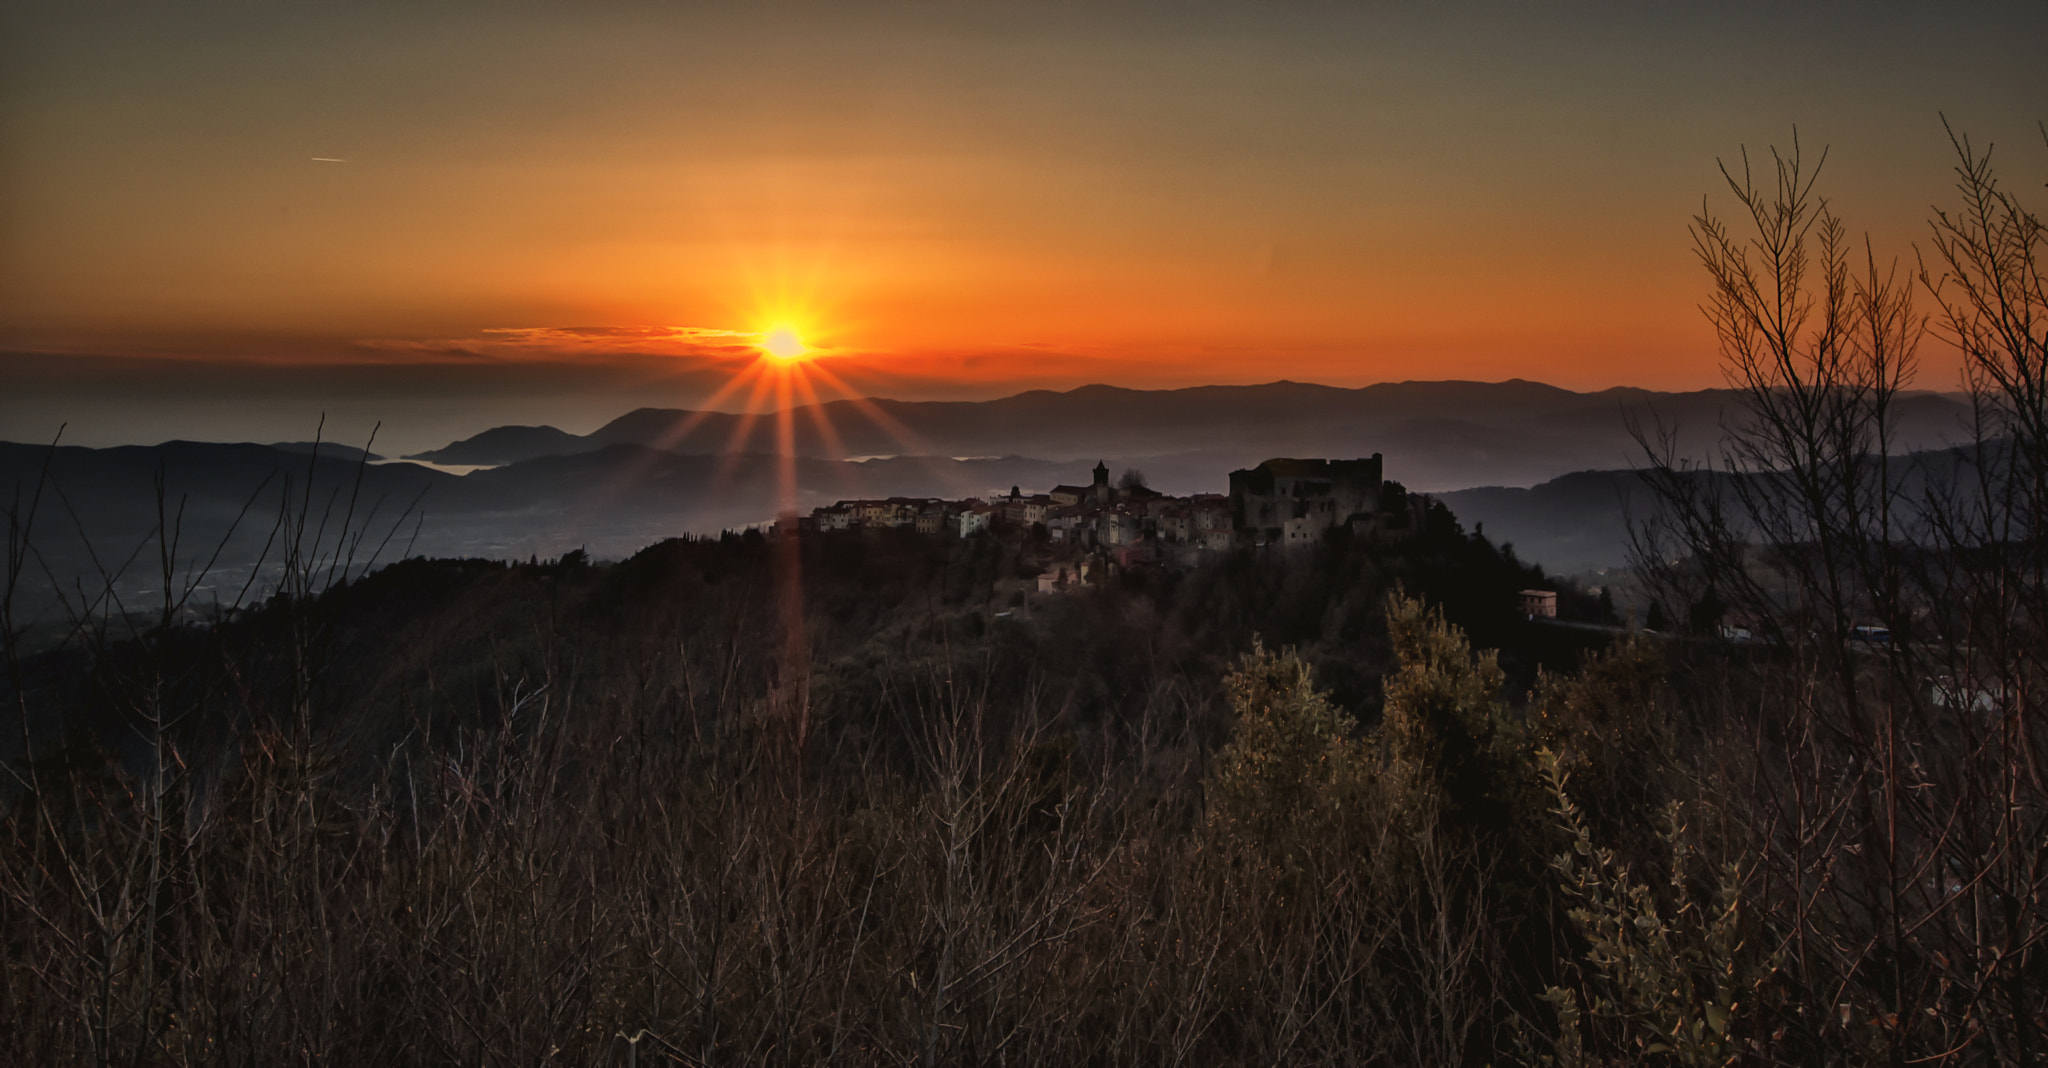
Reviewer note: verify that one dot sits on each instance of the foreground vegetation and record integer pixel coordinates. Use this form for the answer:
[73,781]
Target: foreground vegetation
[470,811]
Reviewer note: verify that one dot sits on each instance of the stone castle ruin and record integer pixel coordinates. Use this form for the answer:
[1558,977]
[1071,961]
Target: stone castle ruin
[1293,503]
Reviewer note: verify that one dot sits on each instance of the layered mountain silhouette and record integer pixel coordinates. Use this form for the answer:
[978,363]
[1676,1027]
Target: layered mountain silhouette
[1436,435]
[1542,467]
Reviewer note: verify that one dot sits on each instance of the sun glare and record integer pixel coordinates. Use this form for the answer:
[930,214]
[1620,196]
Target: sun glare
[783,343]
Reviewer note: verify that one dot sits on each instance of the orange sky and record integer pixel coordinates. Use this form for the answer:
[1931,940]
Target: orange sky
[957,199]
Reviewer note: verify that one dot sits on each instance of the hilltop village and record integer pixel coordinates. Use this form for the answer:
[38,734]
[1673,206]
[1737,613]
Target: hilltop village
[1084,532]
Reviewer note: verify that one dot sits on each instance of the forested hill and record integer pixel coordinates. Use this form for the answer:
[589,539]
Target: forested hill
[880,610]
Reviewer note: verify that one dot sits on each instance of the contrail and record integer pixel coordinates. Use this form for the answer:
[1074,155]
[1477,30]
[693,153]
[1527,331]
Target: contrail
[328,159]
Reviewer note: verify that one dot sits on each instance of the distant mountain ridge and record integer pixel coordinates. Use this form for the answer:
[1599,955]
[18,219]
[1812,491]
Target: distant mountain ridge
[1437,435]
[327,449]
[508,444]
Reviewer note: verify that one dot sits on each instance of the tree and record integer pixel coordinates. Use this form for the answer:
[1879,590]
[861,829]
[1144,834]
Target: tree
[1608,725]
[1887,793]
[1288,746]
[1444,721]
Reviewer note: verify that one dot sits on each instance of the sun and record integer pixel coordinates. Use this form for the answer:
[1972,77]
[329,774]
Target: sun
[784,343]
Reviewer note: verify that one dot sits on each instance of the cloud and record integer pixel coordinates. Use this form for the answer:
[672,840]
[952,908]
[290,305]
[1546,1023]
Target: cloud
[549,343]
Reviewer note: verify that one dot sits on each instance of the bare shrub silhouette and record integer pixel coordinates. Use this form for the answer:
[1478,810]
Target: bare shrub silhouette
[1880,755]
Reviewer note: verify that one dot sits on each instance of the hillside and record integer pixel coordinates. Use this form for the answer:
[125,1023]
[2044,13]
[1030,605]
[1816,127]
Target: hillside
[229,506]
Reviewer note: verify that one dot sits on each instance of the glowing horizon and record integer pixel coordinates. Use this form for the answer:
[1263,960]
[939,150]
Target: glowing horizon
[952,203]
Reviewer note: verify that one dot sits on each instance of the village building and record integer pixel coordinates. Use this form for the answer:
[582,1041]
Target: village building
[973,519]
[1174,525]
[1101,494]
[1022,510]
[1539,604]
[1058,579]
[1288,503]
[1121,527]
[1210,515]
[926,514]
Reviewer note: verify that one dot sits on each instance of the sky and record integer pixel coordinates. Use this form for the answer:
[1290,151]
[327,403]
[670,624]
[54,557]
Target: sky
[223,221]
